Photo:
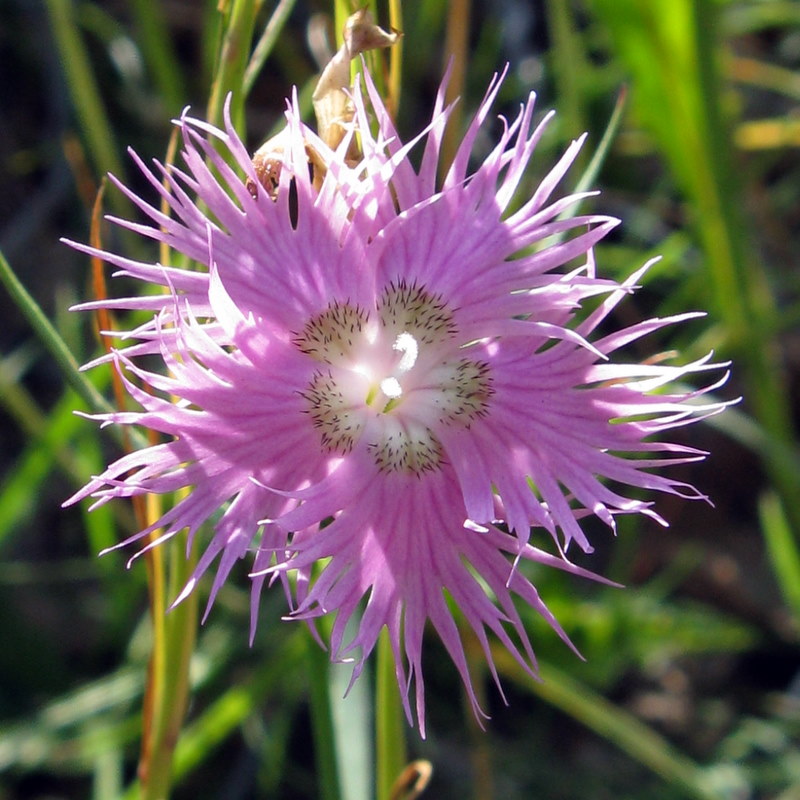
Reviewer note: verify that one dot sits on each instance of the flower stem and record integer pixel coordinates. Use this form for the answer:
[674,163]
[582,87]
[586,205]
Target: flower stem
[456,48]
[395,59]
[742,291]
[568,66]
[159,52]
[85,93]
[50,338]
[234,53]
[174,635]
[322,722]
[390,746]
[614,724]
[267,41]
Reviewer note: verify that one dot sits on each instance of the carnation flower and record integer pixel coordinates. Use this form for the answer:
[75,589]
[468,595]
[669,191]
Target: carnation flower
[380,383]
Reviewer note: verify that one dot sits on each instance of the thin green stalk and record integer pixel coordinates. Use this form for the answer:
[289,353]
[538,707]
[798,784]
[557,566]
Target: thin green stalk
[51,340]
[586,182]
[168,682]
[84,92]
[390,744]
[614,724]
[782,548]
[480,749]
[267,41]
[567,64]
[456,54]
[234,55]
[589,175]
[164,67]
[155,765]
[328,784]
[741,287]
[58,349]
[174,634]
[342,9]
[395,59]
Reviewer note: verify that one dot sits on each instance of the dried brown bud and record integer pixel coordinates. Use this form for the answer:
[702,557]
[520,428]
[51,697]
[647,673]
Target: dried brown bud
[331,104]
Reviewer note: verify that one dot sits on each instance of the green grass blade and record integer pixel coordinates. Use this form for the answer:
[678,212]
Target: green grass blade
[84,91]
[66,362]
[589,175]
[318,671]
[51,340]
[390,745]
[159,54]
[782,548]
[233,57]
[615,724]
[267,41]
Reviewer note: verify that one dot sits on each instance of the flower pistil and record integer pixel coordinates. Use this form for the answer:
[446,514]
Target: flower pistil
[396,377]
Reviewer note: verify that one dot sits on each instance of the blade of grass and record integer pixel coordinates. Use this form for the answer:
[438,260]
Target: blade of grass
[589,175]
[353,725]
[673,54]
[614,724]
[740,270]
[390,745]
[782,549]
[318,671]
[34,743]
[233,56]
[265,44]
[66,362]
[456,55]
[395,59]
[51,340]
[568,65]
[174,636]
[84,92]
[159,54]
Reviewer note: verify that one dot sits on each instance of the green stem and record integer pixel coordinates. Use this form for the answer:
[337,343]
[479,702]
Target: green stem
[568,66]
[58,349]
[234,54]
[589,175]
[84,92]
[168,681]
[742,291]
[159,54]
[266,42]
[612,723]
[782,549]
[390,745]
[456,52]
[322,722]
[341,11]
[395,59]
[52,341]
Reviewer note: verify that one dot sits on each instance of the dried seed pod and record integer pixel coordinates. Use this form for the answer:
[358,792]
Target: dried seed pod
[332,106]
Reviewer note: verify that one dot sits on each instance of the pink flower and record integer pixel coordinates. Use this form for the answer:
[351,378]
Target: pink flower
[387,379]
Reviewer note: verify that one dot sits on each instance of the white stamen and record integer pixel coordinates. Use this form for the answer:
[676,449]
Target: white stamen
[391,387]
[407,345]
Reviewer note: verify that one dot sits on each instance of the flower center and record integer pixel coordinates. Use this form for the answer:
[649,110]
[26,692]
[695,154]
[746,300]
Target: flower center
[393,378]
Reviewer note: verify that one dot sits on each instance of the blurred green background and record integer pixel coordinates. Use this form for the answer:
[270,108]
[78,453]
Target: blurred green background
[691,685]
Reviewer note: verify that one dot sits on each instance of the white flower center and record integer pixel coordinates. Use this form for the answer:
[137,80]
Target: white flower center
[393,379]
